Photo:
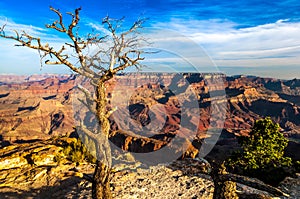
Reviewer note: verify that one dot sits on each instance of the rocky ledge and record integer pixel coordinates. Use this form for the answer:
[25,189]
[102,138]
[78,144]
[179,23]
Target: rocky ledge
[42,170]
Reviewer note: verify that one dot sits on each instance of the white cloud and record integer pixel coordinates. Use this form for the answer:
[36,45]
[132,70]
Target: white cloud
[202,43]
[22,60]
[98,27]
[274,44]
[10,26]
[177,52]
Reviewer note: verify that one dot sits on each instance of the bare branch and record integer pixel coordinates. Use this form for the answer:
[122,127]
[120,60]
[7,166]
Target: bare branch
[2,28]
[85,130]
[53,25]
[68,44]
[61,50]
[48,62]
[127,61]
[108,21]
[118,59]
[138,24]
[75,20]
[87,94]
[17,34]
[99,62]
[27,40]
[89,106]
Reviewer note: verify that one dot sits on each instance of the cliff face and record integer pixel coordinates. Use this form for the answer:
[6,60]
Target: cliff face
[36,109]
[156,107]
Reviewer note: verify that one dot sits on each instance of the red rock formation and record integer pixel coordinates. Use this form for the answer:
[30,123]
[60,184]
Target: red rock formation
[40,109]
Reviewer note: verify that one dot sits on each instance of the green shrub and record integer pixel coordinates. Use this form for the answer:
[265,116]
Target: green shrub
[262,154]
[77,152]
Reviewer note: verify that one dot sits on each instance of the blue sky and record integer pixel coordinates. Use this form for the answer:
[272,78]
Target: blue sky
[237,37]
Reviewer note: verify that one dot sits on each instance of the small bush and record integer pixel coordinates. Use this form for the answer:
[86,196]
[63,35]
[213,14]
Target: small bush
[77,152]
[262,154]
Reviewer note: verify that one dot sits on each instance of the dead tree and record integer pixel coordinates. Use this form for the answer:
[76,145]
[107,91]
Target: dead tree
[115,52]
[225,183]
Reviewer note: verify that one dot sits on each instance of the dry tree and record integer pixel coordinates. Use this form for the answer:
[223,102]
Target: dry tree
[113,52]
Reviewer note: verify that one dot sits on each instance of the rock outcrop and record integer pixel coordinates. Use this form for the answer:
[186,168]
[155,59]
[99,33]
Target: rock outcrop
[31,171]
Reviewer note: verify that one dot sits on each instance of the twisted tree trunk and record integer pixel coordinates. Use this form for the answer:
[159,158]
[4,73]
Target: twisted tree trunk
[101,184]
[102,174]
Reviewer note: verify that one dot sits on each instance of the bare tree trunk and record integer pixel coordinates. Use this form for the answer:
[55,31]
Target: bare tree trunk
[224,189]
[101,184]
[102,177]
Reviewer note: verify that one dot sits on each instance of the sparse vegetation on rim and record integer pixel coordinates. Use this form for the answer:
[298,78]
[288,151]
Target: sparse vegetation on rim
[262,153]
[77,152]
